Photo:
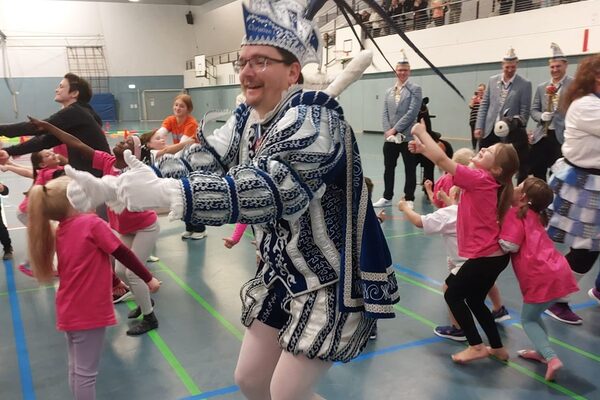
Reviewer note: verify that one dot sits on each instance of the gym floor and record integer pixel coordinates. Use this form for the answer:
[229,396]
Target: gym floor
[194,352]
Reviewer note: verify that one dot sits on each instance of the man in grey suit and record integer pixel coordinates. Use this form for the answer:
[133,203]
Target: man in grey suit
[548,133]
[401,107]
[506,94]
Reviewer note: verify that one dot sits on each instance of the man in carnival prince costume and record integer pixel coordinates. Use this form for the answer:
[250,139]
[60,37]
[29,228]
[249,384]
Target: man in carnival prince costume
[287,163]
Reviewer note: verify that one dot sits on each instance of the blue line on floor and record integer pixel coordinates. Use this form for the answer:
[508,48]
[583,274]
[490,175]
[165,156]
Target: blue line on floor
[214,393]
[19,334]
[391,349]
[364,356]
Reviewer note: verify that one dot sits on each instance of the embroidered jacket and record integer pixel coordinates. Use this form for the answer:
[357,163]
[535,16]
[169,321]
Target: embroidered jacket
[296,176]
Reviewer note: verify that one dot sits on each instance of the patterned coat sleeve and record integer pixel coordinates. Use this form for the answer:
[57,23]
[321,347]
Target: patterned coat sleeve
[299,152]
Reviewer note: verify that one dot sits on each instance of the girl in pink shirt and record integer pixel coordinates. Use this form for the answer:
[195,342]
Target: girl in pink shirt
[486,196]
[543,272]
[138,230]
[83,245]
[46,165]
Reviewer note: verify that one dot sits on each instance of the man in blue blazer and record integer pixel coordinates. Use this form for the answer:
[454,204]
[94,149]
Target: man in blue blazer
[548,133]
[401,107]
[506,94]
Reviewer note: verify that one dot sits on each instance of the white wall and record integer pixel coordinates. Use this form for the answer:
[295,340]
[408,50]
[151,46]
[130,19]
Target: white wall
[486,40]
[150,40]
[139,39]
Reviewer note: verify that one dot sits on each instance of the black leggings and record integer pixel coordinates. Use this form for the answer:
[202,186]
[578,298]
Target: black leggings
[581,260]
[466,293]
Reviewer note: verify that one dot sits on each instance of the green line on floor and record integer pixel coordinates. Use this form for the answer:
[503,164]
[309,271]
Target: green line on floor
[228,325]
[541,379]
[418,233]
[417,283]
[166,352]
[513,365]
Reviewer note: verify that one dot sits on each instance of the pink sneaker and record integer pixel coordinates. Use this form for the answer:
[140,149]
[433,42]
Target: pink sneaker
[25,268]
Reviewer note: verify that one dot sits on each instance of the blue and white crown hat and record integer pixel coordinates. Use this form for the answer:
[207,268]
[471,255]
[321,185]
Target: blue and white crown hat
[282,24]
[557,53]
[403,59]
[510,55]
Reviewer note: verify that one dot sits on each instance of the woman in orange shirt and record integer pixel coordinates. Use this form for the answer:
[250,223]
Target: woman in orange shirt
[183,126]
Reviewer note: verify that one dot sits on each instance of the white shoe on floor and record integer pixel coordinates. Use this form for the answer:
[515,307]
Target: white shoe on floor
[382,202]
[410,204]
[152,258]
[198,235]
[186,235]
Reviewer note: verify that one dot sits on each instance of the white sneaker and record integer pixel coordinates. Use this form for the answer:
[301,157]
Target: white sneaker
[382,202]
[152,258]
[186,235]
[198,235]
[410,204]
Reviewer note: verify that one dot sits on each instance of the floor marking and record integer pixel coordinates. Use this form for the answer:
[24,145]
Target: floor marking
[511,364]
[27,388]
[211,310]
[168,355]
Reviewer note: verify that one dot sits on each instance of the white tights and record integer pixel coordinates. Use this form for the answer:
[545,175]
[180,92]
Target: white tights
[141,243]
[266,372]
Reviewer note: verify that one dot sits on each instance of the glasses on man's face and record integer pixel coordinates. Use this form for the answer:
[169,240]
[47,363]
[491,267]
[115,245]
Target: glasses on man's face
[256,64]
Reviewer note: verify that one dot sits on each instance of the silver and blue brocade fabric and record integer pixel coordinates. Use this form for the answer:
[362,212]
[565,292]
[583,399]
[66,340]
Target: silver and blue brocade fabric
[575,211]
[293,189]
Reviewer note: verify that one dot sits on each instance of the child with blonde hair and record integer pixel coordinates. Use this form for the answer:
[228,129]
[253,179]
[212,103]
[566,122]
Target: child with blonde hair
[486,197]
[138,230]
[83,244]
[543,272]
[461,156]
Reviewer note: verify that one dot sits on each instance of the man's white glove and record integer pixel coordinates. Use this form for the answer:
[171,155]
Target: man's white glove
[140,189]
[547,116]
[86,192]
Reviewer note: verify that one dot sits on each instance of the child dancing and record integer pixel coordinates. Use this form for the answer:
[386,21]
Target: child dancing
[486,196]
[83,245]
[543,272]
[138,230]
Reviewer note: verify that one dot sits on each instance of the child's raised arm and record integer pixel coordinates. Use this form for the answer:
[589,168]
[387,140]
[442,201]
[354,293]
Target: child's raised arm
[428,185]
[411,215]
[429,148]
[65,137]
[27,172]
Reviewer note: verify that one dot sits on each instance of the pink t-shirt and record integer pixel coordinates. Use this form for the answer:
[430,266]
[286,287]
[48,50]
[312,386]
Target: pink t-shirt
[543,272]
[84,243]
[444,183]
[477,226]
[126,222]
[44,176]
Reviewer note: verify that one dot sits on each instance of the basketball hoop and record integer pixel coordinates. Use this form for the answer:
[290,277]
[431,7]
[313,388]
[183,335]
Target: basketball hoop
[342,56]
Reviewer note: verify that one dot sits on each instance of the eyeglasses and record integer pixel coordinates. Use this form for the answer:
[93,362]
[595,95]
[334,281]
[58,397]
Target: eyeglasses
[256,64]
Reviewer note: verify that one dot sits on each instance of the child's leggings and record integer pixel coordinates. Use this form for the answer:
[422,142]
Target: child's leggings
[531,319]
[141,243]
[466,293]
[84,348]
